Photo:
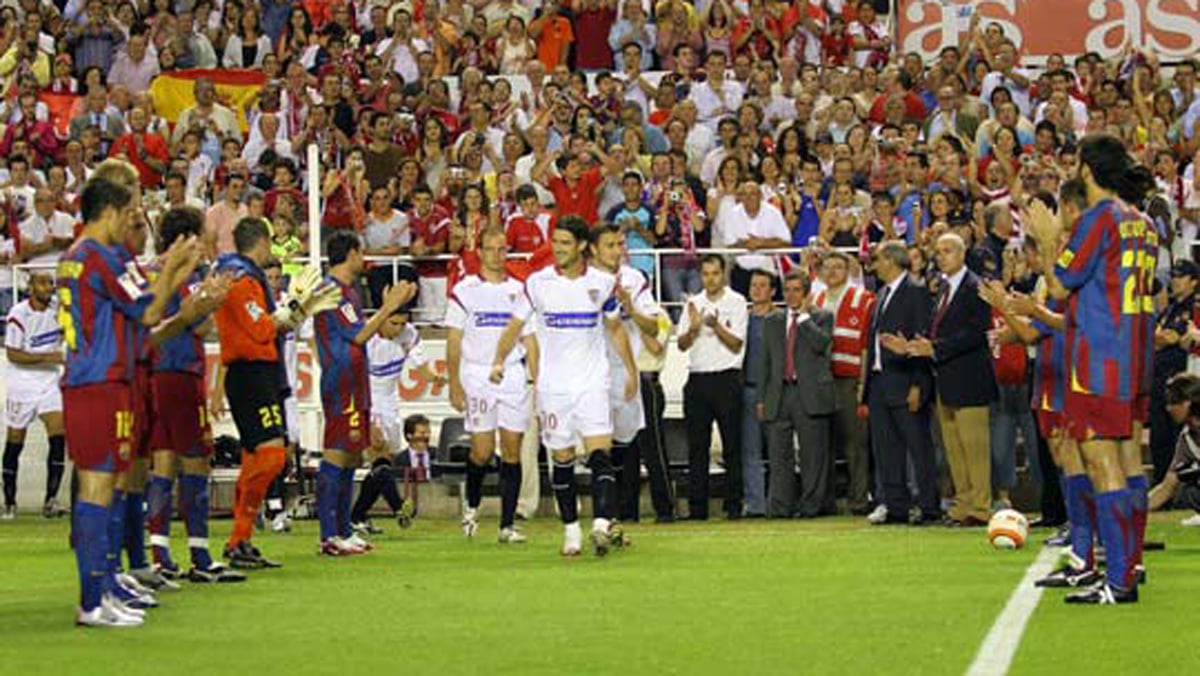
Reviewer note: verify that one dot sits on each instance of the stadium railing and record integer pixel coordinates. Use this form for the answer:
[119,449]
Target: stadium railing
[396,263]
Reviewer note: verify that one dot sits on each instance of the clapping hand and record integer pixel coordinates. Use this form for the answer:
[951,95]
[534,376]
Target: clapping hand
[920,347]
[893,342]
[1041,224]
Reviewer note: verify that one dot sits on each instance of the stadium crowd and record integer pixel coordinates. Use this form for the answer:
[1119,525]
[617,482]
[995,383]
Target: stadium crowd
[753,125]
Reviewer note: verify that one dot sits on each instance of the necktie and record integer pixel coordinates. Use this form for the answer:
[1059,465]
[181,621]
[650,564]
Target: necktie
[789,359]
[943,303]
[880,303]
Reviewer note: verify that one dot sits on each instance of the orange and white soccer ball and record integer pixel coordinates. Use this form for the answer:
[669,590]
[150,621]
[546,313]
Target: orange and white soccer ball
[1008,529]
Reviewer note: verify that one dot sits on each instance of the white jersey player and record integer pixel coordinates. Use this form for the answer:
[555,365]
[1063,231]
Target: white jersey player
[572,305]
[34,346]
[640,313]
[395,349]
[479,310]
[637,309]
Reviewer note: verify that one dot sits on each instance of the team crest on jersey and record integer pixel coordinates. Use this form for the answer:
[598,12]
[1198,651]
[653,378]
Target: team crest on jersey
[255,310]
[132,281]
[594,294]
[349,313]
[854,321]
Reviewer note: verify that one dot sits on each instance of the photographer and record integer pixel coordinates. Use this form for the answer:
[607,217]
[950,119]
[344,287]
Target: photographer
[678,223]
[1182,482]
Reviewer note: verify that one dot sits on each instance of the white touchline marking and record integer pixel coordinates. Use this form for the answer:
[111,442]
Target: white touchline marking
[1000,645]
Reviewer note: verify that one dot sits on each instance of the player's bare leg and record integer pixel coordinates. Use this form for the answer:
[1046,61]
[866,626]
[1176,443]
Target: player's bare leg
[510,485]
[1102,458]
[1139,487]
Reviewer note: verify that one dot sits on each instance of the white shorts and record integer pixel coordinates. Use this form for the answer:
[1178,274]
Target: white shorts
[491,406]
[20,412]
[291,418]
[389,426]
[566,418]
[628,416]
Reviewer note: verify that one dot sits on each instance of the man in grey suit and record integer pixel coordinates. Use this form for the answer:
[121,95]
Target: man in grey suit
[96,114]
[795,397]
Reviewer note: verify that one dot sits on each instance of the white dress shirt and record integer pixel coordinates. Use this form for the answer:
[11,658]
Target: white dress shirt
[708,354]
[768,223]
[891,292]
[953,282]
[710,106]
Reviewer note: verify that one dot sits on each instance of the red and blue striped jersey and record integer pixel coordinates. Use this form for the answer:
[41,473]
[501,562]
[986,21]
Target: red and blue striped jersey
[141,333]
[102,296]
[183,353]
[1053,354]
[344,383]
[1109,264]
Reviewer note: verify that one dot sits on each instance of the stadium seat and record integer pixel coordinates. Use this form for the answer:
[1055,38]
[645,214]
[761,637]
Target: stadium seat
[454,445]
[675,439]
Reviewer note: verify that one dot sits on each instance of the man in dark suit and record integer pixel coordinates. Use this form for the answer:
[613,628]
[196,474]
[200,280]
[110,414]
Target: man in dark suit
[962,365]
[795,397]
[896,390]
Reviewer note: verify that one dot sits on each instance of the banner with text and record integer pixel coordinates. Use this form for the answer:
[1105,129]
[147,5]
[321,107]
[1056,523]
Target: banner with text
[1168,28]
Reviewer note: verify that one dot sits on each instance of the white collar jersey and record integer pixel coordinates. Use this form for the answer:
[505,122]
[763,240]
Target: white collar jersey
[386,360]
[639,290]
[481,310]
[569,322]
[35,332]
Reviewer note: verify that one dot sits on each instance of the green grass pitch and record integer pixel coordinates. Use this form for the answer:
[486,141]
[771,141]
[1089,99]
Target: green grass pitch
[826,597]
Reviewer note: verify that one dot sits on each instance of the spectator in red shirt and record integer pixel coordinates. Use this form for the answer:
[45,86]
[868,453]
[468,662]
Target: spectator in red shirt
[40,139]
[593,17]
[147,152]
[901,85]
[576,189]
[283,182]
[758,33]
[528,229]
[835,43]
[430,227]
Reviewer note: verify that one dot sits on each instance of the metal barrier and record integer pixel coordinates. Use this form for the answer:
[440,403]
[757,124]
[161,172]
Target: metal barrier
[21,270]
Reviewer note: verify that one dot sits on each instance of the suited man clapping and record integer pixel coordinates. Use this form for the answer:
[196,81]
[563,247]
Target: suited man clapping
[795,398]
[897,389]
[957,347]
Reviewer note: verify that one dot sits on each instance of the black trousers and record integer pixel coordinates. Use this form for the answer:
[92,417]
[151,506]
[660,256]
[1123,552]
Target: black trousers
[1164,433]
[1054,509]
[651,445]
[709,397]
[896,436]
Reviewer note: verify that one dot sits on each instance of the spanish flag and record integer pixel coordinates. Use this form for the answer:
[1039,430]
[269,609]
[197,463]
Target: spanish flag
[172,91]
